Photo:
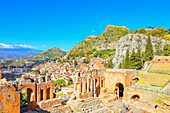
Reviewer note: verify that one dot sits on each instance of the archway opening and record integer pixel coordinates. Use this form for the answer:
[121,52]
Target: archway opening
[26,98]
[41,94]
[48,93]
[135,97]
[120,89]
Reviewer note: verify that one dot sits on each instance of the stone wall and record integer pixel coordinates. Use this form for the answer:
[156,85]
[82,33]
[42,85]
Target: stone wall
[87,95]
[9,100]
[49,104]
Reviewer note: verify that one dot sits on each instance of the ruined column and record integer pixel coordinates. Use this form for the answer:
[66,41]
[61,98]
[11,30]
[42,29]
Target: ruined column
[51,91]
[94,88]
[75,85]
[87,84]
[44,93]
[82,86]
[85,87]
[79,89]
[91,84]
[38,93]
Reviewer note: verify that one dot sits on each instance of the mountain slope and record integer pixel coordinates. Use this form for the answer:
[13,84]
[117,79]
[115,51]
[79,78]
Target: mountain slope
[9,52]
[103,45]
[39,58]
[14,56]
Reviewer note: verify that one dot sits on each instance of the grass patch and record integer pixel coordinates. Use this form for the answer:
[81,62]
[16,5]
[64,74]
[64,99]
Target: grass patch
[164,68]
[153,78]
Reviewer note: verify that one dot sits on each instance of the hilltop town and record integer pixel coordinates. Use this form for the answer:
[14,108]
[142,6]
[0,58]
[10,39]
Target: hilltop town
[117,71]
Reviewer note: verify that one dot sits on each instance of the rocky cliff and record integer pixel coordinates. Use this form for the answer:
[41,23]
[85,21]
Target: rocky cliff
[136,41]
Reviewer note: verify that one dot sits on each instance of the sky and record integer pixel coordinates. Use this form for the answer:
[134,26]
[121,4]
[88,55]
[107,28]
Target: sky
[43,24]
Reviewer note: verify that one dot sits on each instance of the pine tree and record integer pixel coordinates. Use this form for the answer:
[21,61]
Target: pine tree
[148,50]
[123,64]
[120,66]
[127,63]
[138,60]
[132,59]
[110,63]
[75,63]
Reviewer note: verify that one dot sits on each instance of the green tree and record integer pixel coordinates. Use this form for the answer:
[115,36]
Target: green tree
[166,50]
[138,60]
[70,81]
[110,64]
[123,63]
[142,31]
[75,63]
[85,61]
[127,63]
[120,66]
[148,50]
[59,82]
[143,57]
[132,59]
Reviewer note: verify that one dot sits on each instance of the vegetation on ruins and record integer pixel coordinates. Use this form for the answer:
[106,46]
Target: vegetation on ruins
[109,64]
[23,97]
[59,82]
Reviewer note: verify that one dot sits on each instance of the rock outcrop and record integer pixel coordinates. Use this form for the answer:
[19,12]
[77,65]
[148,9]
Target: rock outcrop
[136,41]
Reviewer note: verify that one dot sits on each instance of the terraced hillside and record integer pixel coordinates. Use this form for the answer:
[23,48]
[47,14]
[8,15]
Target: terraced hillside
[103,45]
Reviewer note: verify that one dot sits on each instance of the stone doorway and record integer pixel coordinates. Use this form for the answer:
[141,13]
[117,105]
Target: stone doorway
[119,89]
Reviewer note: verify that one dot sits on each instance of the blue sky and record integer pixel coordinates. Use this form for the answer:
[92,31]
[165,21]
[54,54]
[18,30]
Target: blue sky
[52,23]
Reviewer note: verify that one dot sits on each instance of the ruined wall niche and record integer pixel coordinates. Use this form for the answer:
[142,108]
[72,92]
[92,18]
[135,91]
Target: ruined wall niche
[41,79]
[135,97]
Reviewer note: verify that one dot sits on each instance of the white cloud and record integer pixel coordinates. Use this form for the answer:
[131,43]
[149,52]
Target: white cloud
[43,46]
[64,50]
[26,46]
[93,31]
[15,46]
[5,46]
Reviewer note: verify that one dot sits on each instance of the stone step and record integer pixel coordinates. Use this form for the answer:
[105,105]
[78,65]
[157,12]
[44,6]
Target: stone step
[108,100]
[104,96]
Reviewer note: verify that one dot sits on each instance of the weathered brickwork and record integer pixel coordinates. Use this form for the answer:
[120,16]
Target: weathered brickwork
[9,99]
[99,82]
[36,93]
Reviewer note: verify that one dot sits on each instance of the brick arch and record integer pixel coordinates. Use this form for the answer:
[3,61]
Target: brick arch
[26,88]
[31,86]
[32,93]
